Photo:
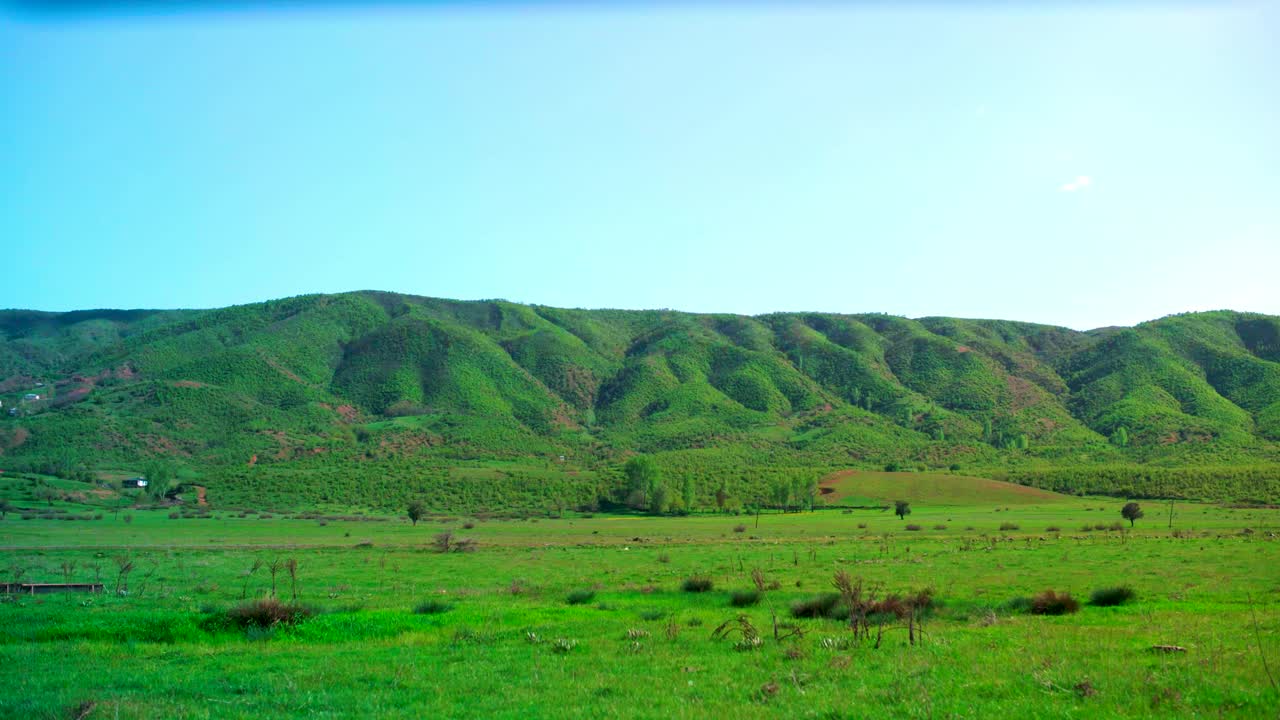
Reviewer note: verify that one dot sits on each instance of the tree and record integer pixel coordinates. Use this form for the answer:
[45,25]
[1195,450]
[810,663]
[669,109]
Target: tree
[782,494]
[417,511]
[159,475]
[659,499]
[688,493]
[722,496]
[1120,437]
[47,494]
[1131,511]
[901,508]
[5,507]
[643,477]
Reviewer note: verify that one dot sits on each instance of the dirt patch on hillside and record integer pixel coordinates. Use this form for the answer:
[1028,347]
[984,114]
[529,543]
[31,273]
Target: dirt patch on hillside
[348,413]
[282,441]
[17,438]
[275,365]
[1022,393]
[187,384]
[16,382]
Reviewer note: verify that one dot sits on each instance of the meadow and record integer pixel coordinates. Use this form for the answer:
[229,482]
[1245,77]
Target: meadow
[616,615]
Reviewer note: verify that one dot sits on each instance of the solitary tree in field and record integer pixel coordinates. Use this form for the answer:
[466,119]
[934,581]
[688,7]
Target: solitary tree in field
[901,508]
[1131,511]
[5,507]
[417,511]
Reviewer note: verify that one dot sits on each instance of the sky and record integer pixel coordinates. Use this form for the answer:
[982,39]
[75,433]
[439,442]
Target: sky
[1077,163]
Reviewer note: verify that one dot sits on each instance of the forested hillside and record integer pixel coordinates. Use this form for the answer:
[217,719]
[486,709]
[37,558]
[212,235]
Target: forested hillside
[371,397]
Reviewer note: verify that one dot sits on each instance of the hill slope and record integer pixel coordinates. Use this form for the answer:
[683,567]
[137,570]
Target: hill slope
[285,397]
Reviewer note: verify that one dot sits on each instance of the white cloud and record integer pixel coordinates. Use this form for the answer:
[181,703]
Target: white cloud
[1082,182]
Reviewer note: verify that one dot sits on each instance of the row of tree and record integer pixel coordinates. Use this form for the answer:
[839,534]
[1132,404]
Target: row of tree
[645,488]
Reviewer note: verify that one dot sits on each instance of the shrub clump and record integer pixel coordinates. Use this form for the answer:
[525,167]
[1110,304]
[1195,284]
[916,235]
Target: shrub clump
[433,607]
[697,584]
[914,528]
[818,606]
[744,598]
[580,596]
[1006,526]
[1110,596]
[1050,602]
[267,612]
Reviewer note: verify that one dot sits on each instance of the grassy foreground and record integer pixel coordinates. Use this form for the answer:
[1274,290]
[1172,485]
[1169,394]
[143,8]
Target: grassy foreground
[585,616]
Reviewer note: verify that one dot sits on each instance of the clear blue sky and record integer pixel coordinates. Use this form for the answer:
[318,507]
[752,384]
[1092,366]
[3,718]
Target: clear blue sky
[1078,163]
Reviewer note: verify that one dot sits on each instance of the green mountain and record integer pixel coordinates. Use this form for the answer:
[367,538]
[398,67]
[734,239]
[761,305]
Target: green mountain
[371,397]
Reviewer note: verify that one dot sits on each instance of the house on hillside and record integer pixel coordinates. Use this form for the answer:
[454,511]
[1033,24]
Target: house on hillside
[134,482]
[30,397]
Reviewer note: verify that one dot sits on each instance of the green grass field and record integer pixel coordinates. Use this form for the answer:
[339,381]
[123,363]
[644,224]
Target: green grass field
[506,641]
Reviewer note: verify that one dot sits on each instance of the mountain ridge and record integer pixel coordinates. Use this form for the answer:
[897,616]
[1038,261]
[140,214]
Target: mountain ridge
[403,382]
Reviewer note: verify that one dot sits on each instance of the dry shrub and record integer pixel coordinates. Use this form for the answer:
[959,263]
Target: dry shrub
[1050,602]
[914,528]
[744,598]
[267,612]
[1006,526]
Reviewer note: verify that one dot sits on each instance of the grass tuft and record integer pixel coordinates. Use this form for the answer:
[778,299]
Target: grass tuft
[1111,596]
[697,584]
[432,607]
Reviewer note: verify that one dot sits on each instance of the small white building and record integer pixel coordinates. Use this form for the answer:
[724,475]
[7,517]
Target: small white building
[30,397]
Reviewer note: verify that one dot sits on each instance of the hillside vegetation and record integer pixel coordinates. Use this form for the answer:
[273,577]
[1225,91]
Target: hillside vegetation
[373,398]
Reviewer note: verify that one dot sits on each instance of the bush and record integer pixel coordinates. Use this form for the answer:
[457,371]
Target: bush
[1053,528]
[267,612]
[744,598]
[433,607]
[696,584]
[1018,605]
[1006,526]
[914,528]
[1054,603]
[580,597]
[739,528]
[823,605]
[939,526]
[1107,597]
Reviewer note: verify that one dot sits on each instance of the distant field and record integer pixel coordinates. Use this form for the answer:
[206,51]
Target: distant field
[854,487]
[585,616]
